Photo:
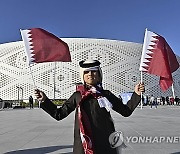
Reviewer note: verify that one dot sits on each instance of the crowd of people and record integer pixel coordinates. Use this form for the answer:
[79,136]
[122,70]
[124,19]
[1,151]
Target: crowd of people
[155,101]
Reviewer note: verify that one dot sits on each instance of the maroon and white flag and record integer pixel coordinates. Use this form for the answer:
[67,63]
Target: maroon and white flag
[158,59]
[42,46]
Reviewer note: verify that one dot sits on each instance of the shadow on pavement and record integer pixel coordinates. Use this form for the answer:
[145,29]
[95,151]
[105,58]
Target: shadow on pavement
[42,150]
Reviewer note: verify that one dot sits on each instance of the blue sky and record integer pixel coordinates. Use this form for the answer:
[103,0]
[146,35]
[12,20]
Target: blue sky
[123,20]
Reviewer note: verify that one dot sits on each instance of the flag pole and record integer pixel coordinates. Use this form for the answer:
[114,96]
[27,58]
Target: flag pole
[173,90]
[32,77]
[54,80]
[141,70]
[141,92]
[33,82]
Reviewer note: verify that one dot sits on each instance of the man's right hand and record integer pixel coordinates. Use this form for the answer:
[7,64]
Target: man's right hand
[40,95]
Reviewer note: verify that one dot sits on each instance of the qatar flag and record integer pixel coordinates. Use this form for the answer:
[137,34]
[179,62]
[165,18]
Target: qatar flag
[42,46]
[158,59]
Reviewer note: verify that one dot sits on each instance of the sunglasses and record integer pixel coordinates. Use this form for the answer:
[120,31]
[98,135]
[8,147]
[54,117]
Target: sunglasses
[92,71]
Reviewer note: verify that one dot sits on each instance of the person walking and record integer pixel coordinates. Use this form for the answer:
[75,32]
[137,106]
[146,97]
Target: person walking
[171,99]
[163,100]
[31,102]
[153,101]
[167,100]
[176,100]
[1,104]
[93,121]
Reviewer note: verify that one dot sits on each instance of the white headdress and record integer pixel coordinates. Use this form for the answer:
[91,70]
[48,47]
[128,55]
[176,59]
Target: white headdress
[89,65]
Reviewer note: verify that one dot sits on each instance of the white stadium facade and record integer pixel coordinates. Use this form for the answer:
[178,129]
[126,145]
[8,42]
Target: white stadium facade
[119,60]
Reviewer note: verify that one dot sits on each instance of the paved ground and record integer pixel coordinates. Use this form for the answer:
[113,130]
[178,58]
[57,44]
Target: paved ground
[146,131]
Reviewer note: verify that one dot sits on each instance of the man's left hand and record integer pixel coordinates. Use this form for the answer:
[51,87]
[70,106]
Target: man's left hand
[139,88]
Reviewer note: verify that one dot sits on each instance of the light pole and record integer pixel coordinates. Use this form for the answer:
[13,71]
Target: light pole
[18,87]
[18,92]
[22,105]
[21,94]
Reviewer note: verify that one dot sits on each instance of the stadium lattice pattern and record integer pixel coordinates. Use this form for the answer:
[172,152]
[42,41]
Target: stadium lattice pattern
[119,60]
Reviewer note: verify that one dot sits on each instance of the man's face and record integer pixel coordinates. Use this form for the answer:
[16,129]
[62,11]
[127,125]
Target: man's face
[91,77]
